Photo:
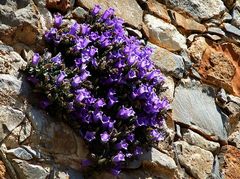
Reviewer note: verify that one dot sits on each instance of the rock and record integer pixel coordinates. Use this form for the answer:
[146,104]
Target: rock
[198,162]
[195,139]
[191,38]
[231,29]
[187,24]
[213,37]
[79,13]
[23,26]
[167,61]
[159,164]
[229,159]
[158,10]
[25,131]
[11,141]
[3,172]
[199,9]
[236,15]
[70,150]
[216,173]
[229,3]
[226,17]
[10,61]
[129,10]
[163,34]
[9,119]
[134,32]
[61,5]
[216,30]
[170,85]
[234,139]
[20,153]
[218,64]
[28,171]
[194,105]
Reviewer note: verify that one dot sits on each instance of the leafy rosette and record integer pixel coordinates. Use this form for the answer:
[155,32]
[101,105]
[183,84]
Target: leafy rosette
[103,83]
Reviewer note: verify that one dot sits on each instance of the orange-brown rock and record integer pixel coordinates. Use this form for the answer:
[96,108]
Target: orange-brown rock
[230,162]
[218,64]
[188,25]
[62,5]
[3,172]
[158,10]
[129,10]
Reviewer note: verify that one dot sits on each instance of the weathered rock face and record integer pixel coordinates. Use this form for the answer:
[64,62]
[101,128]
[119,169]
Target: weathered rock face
[129,10]
[218,64]
[33,145]
[197,161]
[163,34]
[194,105]
[199,9]
[230,162]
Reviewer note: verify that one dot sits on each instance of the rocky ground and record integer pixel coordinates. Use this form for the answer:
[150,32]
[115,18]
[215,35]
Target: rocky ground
[196,45]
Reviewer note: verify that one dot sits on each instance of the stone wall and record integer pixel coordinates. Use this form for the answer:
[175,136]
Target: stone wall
[196,44]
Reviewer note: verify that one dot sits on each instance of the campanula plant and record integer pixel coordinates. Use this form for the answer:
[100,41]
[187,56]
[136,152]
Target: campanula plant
[104,84]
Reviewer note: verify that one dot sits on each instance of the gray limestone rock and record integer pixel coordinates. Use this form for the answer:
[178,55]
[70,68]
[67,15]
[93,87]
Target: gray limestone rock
[20,153]
[9,119]
[231,29]
[167,61]
[198,162]
[199,9]
[28,171]
[194,105]
[164,34]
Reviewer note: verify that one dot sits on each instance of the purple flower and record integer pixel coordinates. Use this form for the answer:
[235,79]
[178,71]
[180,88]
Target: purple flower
[130,137]
[92,51]
[156,135]
[94,36]
[82,94]
[57,59]
[35,59]
[122,145]
[89,136]
[107,13]
[96,10]
[105,137]
[50,34]
[138,151]
[153,74]
[76,80]
[99,103]
[120,157]
[61,77]
[97,115]
[58,20]
[33,79]
[125,113]
[115,171]
[74,28]
[85,29]
[81,43]
[131,74]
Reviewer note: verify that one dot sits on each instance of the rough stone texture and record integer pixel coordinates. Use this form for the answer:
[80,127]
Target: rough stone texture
[234,138]
[188,25]
[20,153]
[129,10]
[3,172]
[199,9]
[231,29]
[230,162]
[218,64]
[167,61]
[236,15]
[159,164]
[170,85]
[195,139]
[163,34]
[194,105]
[198,162]
[158,10]
[28,171]
[216,30]
[9,119]
[10,61]
[70,150]
[62,5]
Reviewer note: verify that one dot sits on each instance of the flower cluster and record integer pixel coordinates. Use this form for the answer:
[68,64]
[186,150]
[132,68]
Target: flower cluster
[104,84]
